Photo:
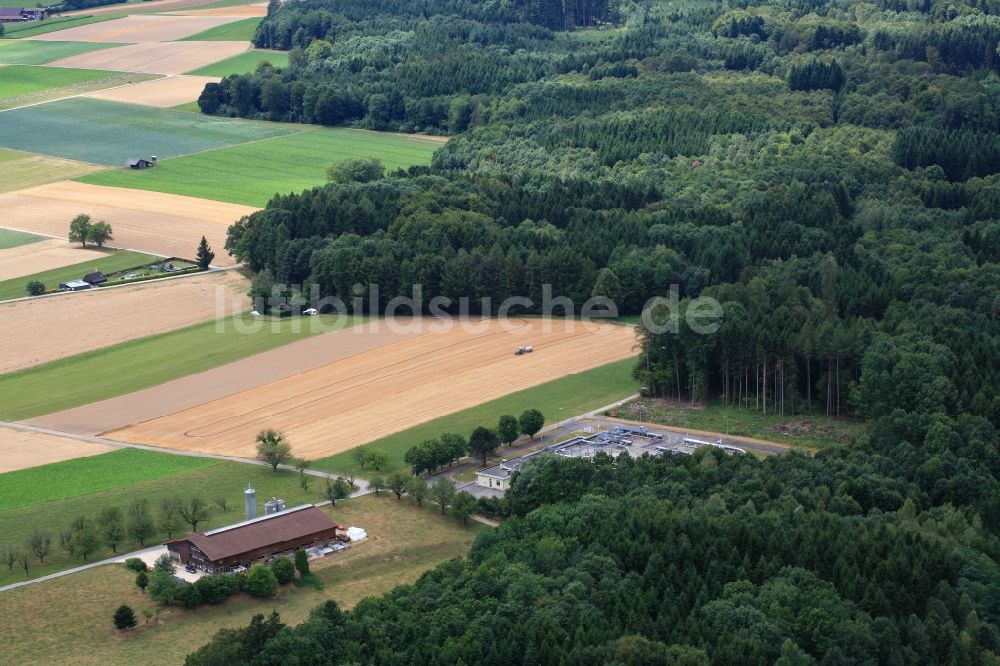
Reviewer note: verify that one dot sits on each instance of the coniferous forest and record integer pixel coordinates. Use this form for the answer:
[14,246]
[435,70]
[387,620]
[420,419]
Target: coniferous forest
[828,170]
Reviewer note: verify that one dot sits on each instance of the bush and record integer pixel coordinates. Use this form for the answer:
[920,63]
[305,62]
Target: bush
[284,570]
[216,589]
[124,618]
[261,582]
[189,596]
[142,580]
[135,564]
[302,562]
[34,288]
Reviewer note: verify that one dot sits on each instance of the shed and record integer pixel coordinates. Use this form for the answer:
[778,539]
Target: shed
[74,285]
[140,163]
[95,278]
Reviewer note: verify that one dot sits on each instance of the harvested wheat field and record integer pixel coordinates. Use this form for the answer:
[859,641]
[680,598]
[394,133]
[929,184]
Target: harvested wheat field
[21,449]
[20,170]
[340,405]
[87,320]
[148,7]
[163,93]
[165,224]
[156,58]
[42,256]
[137,29]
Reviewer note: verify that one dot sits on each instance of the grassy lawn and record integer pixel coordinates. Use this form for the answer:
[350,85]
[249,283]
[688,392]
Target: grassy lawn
[38,52]
[139,364]
[238,31]
[83,476]
[116,260]
[206,478]
[294,163]
[109,133]
[188,107]
[404,541]
[812,430]
[243,63]
[24,84]
[33,28]
[557,400]
[9,239]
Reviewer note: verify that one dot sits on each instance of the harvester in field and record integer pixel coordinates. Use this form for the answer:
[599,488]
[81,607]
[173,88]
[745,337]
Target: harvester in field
[523,350]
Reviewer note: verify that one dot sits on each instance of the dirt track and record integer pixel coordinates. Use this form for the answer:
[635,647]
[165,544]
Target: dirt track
[156,57]
[44,329]
[163,93]
[20,449]
[164,224]
[42,256]
[141,28]
[340,405]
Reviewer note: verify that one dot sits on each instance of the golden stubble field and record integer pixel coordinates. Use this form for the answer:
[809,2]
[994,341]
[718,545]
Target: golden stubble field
[339,405]
[155,57]
[162,93]
[43,256]
[20,449]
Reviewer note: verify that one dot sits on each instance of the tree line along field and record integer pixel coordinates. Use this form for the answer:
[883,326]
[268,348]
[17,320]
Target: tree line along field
[404,541]
[243,63]
[35,52]
[114,261]
[141,363]
[110,133]
[293,162]
[119,478]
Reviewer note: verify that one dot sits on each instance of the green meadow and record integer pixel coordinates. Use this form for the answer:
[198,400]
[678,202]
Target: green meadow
[9,239]
[243,63]
[237,31]
[116,260]
[293,163]
[558,399]
[139,364]
[33,28]
[102,132]
[30,52]
[22,83]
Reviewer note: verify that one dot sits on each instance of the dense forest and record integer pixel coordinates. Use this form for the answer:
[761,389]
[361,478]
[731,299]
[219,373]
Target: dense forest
[827,170]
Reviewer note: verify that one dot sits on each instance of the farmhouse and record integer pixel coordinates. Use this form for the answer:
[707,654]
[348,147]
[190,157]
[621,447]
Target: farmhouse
[21,14]
[95,278]
[256,540]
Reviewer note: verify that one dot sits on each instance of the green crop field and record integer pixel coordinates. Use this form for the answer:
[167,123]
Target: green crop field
[142,363]
[293,163]
[33,28]
[9,239]
[109,133]
[237,31]
[557,400]
[29,52]
[84,476]
[405,541]
[20,84]
[116,260]
[117,479]
[243,63]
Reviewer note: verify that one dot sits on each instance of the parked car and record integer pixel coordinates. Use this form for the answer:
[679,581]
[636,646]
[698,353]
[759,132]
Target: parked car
[190,568]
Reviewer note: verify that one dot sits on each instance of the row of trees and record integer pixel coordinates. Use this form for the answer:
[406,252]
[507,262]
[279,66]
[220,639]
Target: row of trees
[432,454]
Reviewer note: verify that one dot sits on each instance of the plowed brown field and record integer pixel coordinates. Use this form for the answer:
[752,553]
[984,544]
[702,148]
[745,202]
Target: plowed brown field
[156,58]
[164,93]
[42,256]
[20,449]
[164,224]
[38,330]
[338,406]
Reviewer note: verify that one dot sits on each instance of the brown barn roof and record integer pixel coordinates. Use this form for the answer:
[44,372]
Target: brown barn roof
[259,532]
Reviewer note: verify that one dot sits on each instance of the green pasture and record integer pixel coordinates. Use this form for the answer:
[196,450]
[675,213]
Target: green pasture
[237,31]
[34,28]
[254,172]
[558,399]
[19,80]
[138,364]
[31,52]
[110,133]
[9,239]
[243,63]
[114,261]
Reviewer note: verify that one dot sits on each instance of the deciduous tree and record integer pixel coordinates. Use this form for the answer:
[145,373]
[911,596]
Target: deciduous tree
[272,448]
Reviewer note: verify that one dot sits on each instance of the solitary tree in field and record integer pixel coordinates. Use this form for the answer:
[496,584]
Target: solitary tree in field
[194,511]
[531,421]
[272,448]
[40,543]
[205,254]
[443,491]
[417,489]
[508,429]
[79,230]
[100,233]
[483,442]
[124,618]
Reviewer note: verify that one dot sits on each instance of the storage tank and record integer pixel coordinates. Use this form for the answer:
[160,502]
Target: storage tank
[250,498]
